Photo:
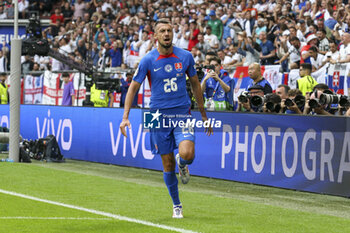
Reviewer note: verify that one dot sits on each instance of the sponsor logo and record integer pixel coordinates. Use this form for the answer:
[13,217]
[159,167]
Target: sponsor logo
[63,130]
[158,120]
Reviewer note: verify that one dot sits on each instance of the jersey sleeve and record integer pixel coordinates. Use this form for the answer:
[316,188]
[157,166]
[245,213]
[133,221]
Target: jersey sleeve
[191,70]
[141,71]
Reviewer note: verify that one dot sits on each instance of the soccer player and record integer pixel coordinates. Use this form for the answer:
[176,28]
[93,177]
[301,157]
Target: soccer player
[166,67]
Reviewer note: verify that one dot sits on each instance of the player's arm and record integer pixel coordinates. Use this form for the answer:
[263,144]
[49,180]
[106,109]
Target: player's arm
[134,87]
[197,91]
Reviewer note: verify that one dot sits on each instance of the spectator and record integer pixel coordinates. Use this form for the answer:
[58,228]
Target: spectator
[344,51]
[261,27]
[216,25]
[254,71]
[68,96]
[268,53]
[197,55]
[316,58]
[293,53]
[3,14]
[332,55]
[236,59]
[193,37]
[78,8]
[249,49]
[202,45]
[211,39]
[306,83]
[184,37]
[226,20]
[67,12]
[323,46]
[56,15]
[311,40]
[216,87]
[22,8]
[116,54]
[302,30]
[27,65]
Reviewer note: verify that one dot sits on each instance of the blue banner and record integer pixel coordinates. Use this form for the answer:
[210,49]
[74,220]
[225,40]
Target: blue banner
[6,33]
[309,153]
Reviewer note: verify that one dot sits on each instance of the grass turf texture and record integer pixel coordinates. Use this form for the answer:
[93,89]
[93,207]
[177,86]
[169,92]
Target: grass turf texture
[209,205]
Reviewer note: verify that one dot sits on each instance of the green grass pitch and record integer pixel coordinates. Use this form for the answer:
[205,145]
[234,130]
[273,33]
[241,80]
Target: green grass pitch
[210,205]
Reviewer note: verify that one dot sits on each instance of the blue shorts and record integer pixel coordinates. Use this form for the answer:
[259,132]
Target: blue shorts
[167,138]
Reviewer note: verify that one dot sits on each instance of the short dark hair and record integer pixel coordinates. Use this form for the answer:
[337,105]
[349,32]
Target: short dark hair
[306,66]
[321,86]
[286,87]
[313,48]
[217,59]
[65,74]
[294,38]
[294,92]
[163,21]
[212,53]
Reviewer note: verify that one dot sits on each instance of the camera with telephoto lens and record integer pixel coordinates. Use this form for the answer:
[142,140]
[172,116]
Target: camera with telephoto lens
[344,101]
[299,100]
[257,101]
[329,99]
[314,103]
[244,97]
[272,102]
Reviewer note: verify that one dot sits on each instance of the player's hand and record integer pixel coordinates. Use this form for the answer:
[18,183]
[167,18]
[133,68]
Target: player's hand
[124,123]
[209,130]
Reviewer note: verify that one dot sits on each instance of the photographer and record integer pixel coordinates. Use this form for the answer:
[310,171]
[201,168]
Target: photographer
[294,103]
[313,105]
[272,103]
[216,87]
[254,71]
[101,98]
[245,100]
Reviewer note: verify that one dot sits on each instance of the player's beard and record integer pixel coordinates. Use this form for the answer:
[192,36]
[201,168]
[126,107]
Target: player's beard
[165,46]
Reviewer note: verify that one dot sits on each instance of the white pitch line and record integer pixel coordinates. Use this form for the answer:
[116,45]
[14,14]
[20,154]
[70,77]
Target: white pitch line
[102,213]
[54,218]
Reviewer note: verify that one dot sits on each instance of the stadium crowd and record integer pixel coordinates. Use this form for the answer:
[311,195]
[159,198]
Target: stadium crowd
[237,32]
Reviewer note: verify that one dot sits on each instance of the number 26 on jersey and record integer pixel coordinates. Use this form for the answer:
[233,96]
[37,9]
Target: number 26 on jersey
[170,85]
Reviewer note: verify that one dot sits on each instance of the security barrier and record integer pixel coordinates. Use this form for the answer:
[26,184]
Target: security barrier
[309,153]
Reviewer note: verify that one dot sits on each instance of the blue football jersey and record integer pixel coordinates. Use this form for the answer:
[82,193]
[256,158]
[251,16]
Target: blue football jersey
[167,76]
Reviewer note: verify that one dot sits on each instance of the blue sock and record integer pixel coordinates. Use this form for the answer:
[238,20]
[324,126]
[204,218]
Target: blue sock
[171,183]
[184,162]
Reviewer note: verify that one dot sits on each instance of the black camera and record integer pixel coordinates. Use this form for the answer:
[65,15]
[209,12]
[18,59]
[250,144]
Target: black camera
[299,100]
[243,97]
[201,73]
[257,100]
[314,103]
[344,101]
[106,83]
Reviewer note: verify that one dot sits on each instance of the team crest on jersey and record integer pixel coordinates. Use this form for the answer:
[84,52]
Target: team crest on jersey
[168,68]
[178,66]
